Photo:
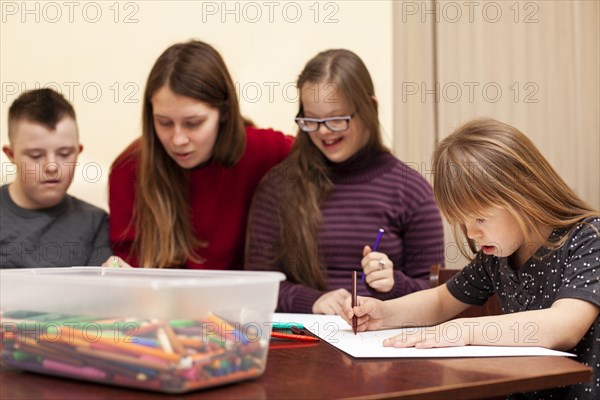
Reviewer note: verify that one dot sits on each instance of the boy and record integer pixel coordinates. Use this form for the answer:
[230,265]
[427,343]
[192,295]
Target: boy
[41,225]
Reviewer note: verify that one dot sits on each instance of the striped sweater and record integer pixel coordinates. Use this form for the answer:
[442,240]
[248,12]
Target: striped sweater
[369,191]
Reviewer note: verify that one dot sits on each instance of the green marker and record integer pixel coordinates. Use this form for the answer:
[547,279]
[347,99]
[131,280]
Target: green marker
[287,325]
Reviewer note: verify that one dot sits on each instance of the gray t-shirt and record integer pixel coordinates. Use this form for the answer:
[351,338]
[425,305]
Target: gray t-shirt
[69,234]
[571,271]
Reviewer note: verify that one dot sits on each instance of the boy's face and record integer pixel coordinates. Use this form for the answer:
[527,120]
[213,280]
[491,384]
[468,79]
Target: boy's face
[45,160]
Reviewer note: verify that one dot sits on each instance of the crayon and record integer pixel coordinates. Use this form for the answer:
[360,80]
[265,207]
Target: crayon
[287,325]
[66,369]
[111,356]
[144,341]
[132,348]
[163,340]
[182,323]
[225,329]
[105,350]
[275,345]
[301,338]
[175,343]
[47,353]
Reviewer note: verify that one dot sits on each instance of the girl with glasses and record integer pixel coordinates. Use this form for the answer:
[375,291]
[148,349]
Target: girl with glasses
[313,214]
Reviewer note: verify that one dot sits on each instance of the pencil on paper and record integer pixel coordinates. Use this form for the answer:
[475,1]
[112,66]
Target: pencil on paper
[354,302]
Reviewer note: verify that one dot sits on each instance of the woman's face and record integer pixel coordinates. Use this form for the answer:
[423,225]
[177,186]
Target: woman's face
[322,100]
[186,127]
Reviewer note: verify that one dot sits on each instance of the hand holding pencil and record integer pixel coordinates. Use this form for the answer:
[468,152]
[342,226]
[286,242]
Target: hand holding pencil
[378,269]
[368,314]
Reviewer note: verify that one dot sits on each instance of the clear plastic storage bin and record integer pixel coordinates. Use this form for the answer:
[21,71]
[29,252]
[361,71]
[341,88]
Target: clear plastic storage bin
[165,330]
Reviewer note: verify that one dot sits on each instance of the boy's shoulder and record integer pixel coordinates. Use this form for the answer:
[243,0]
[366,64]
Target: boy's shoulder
[69,204]
[75,204]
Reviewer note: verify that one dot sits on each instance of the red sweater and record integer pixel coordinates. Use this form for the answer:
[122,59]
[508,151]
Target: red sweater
[219,199]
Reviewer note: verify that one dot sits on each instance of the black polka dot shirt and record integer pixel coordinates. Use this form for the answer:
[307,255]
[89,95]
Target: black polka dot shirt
[571,271]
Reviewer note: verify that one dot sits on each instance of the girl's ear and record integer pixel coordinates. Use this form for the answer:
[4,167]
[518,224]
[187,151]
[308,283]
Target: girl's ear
[374,99]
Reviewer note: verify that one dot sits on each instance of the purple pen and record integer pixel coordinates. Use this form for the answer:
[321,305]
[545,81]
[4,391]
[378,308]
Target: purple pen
[374,248]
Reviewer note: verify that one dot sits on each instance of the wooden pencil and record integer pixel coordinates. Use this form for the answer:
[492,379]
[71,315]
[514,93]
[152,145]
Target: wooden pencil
[157,365]
[175,343]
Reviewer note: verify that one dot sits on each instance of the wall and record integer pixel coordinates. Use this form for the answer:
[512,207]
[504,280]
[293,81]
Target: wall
[99,53]
[532,64]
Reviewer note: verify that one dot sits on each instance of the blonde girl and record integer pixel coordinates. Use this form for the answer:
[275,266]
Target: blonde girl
[535,244]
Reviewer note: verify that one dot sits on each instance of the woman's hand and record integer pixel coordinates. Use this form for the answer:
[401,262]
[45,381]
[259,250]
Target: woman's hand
[379,270]
[331,302]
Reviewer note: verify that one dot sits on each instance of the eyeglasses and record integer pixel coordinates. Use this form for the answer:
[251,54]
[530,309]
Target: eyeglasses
[335,124]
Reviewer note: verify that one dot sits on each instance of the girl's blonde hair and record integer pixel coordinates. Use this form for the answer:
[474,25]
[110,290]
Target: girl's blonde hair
[486,163]
[164,236]
[302,197]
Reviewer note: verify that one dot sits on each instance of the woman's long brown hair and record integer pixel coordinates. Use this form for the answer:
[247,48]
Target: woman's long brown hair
[164,236]
[303,195]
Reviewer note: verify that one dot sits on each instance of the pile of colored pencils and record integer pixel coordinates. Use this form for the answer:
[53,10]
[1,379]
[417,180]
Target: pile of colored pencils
[173,356]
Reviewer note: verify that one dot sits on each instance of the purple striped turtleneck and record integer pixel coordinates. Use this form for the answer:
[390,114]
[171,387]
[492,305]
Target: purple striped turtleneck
[370,190]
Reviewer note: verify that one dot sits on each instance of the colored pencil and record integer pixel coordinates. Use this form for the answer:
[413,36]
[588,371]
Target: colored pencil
[354,302]
[301,338]
[374,248]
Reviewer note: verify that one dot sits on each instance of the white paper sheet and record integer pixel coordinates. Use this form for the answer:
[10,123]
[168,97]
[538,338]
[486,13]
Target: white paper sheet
[335,331]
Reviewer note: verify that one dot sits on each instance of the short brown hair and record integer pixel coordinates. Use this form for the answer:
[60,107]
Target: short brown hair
[44,106]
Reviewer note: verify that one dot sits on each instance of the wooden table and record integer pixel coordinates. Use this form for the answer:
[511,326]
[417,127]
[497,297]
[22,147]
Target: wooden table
[320,371]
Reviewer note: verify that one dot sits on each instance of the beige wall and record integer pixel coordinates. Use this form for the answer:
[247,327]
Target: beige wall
[99,53]
[543,56]
[532,64]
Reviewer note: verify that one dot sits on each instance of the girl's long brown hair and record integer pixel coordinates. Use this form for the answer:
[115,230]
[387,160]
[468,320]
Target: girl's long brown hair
[164,236]
[486,163]
[303,195]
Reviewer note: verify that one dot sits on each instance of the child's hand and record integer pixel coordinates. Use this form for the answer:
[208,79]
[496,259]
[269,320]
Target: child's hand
[370,313]
[116,262]
[331,302]
[379,270]
[449,334]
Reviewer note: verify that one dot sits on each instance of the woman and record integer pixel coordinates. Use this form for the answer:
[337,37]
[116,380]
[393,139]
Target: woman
[179,195]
